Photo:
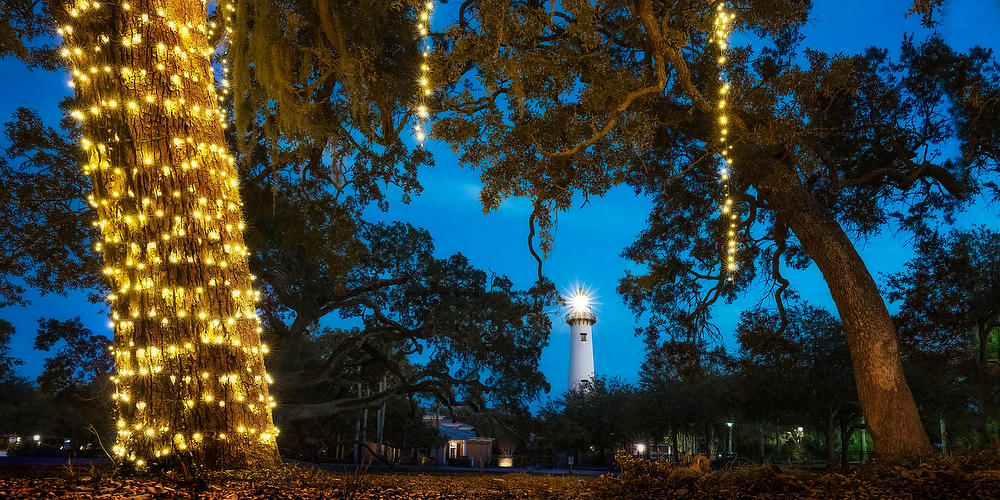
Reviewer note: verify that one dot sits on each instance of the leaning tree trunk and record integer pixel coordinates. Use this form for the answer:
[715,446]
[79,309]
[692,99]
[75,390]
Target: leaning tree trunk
[191,383]
[885,397]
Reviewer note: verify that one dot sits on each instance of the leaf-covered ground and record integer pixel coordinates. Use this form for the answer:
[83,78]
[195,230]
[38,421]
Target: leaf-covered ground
[977,478]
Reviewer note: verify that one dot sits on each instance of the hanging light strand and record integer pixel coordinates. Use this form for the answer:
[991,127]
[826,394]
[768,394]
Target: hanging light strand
[723,28]
[424,82]
[225,11]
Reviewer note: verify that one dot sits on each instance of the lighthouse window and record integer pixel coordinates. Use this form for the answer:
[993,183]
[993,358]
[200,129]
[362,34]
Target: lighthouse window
[583,336]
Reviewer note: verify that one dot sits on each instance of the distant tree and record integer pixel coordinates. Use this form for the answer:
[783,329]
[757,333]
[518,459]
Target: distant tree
[686,388]
[597,419]
[605,410]
[21,409]
[404,427]
[7,362]
[437,327]
[947,294]
[556,431]
[46,235]
[74,382]
[949,321]
[554,101]
[23,24]
[798,372]
[80,356]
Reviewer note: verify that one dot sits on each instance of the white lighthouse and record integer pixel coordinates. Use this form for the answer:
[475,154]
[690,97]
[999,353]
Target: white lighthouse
[581,321]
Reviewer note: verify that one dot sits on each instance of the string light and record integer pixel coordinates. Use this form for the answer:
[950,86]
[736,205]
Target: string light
[723,28]
[424,91]
[227,10]
[189,369]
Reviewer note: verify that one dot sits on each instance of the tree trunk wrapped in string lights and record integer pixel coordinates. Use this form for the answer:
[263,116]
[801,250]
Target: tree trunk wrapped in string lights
[190,378]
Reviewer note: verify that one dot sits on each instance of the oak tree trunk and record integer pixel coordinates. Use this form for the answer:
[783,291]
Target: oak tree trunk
[190,378]
[885,397]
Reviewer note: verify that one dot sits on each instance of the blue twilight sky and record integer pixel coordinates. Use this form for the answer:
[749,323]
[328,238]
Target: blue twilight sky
[589,239]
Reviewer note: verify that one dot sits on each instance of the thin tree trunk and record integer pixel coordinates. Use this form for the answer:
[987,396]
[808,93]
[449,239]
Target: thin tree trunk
[828,441]
[364,421]
[983,382]
[357,430]
[710,438]
[673,437]
[760,441]
[885,397]
[191,382]
[984,340]
[944,436]
[845,443]
[380,432]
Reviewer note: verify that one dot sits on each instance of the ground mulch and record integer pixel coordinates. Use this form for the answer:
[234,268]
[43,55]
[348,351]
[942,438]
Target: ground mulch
[975,477]
[297,482]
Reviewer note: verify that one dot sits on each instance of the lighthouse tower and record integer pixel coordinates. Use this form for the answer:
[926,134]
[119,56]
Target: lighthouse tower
[581,321]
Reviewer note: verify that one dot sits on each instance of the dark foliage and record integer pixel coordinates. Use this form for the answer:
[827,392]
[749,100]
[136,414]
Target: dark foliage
[46,229]
[22,23]
[80,356]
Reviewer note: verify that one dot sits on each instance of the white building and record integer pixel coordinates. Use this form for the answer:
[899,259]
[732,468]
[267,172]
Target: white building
[581,321]
[463,447]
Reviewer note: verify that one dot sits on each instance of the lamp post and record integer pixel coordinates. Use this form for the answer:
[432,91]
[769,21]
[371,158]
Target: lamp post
[730,448]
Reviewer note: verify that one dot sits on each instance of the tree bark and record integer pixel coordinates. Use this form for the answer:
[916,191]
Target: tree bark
[760,442]
[983,337]
[845,443]
[885,397]
[190,379]
[828,440]
[673,438]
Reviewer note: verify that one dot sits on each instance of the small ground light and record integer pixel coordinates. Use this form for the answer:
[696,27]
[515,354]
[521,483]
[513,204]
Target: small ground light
[36,437]
[729,424]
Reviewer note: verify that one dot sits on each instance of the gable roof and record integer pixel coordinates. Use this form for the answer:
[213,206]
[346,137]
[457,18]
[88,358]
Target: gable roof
[451,429]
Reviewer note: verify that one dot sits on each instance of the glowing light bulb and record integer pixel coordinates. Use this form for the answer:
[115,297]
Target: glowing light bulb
[580,301]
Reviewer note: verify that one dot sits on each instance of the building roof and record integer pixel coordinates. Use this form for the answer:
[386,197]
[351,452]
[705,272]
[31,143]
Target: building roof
[584,315]
[452,429]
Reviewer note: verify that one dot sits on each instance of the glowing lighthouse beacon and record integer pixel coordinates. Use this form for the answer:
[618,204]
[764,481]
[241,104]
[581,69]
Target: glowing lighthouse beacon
[581,344]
